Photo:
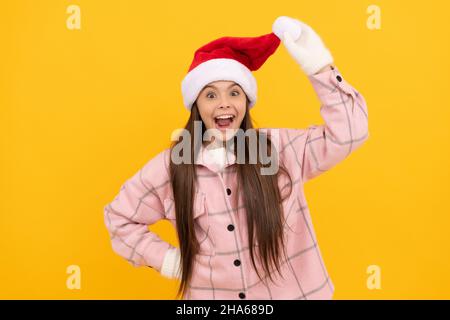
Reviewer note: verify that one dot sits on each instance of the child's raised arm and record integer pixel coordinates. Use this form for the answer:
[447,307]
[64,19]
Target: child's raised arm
[344,110]
[317,148]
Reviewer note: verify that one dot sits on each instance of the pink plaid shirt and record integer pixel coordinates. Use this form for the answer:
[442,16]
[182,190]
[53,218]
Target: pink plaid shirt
[223,269]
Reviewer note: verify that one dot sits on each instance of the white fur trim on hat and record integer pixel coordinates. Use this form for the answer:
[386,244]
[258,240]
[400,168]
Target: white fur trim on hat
[215,70]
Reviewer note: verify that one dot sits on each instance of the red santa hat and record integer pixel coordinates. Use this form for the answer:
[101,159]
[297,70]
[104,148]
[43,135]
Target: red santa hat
[228,58]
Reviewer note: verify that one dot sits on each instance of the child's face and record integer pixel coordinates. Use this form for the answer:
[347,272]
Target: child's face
[222,99]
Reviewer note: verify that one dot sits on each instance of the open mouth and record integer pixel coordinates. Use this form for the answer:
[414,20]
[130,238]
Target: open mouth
[224,121]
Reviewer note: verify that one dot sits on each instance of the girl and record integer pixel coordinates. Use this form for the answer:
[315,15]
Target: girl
[244,229]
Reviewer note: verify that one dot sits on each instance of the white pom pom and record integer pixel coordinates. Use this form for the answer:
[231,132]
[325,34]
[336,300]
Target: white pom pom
[286,24]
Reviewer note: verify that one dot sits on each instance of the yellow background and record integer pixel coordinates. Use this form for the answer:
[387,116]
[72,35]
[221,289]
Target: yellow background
[83,110]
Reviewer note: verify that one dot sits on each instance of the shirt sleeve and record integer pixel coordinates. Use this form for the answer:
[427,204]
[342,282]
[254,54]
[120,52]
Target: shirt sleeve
[138,204]
[318,148]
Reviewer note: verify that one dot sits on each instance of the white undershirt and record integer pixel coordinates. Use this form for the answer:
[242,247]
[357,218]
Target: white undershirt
[219,157]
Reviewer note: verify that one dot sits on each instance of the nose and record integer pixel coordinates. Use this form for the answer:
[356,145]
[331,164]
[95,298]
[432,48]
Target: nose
[224,104]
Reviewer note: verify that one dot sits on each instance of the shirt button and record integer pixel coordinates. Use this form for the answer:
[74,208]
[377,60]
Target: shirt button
[339,78]
[230,227]
[241,295]
[228,191]
[237,262]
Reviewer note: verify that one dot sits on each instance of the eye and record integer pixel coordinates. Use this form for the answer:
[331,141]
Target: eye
[210,92]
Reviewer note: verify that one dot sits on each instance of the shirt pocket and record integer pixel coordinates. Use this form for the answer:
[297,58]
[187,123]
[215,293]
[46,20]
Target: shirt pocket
[202,224]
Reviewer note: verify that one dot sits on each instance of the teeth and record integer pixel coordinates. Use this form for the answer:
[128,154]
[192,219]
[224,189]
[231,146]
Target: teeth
[226,116]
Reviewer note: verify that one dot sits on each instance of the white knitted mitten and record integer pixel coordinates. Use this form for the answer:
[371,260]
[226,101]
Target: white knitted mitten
[303,44]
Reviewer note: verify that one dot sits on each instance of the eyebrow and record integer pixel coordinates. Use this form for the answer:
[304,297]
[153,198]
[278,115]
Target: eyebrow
[214,87]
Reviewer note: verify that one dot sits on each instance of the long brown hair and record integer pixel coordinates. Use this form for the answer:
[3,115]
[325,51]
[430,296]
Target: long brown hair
[262,201]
